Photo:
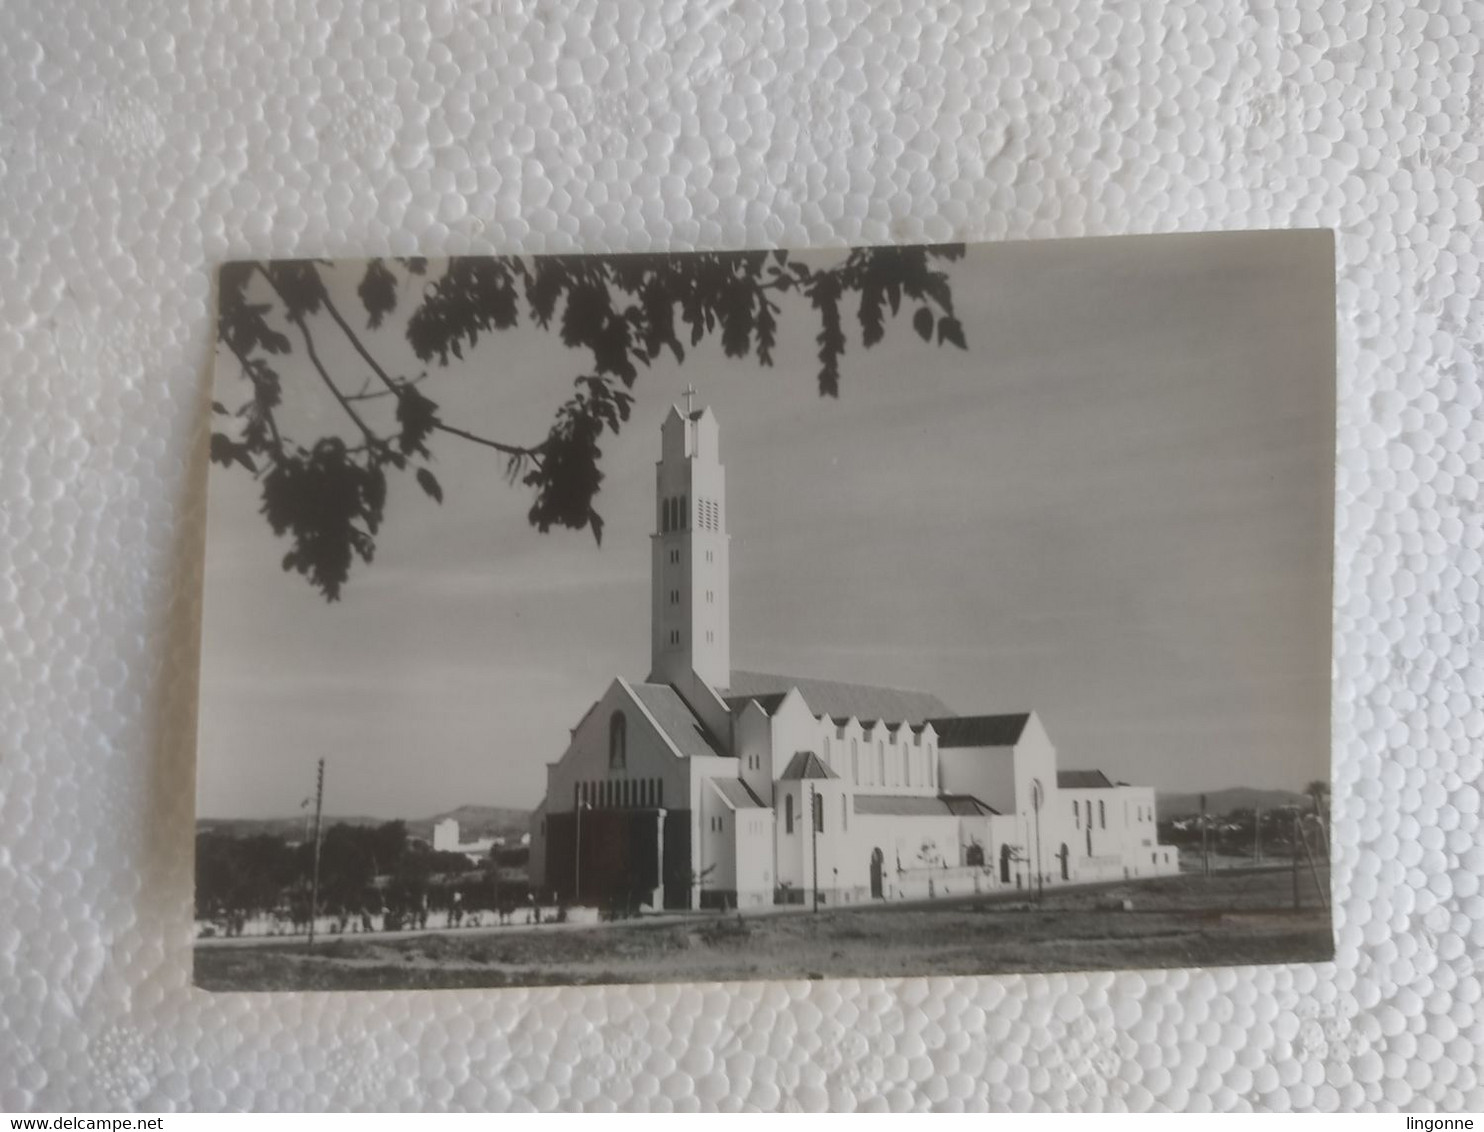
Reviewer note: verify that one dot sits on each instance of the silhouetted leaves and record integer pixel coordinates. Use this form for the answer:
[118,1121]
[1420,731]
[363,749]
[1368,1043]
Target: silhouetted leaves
[950,330]
[299,285]
[429,483]
[226,451]
[624,312]
[922,322]
[474,294]
[416,416]
[330,505]
[378,291]
[824,293]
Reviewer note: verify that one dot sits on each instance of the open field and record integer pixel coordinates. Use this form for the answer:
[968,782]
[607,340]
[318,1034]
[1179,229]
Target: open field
[1184,921]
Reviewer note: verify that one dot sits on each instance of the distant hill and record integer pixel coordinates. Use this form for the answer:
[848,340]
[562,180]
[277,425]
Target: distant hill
[290,828]
[1225,801]
[474,822]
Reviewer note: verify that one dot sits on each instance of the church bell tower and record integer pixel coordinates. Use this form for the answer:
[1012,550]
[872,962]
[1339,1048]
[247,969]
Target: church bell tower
[690,612]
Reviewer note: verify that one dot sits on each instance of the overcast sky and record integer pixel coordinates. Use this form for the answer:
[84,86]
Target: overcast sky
[1114,508]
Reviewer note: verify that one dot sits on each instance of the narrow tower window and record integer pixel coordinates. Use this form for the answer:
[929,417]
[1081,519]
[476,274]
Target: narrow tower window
[618,753]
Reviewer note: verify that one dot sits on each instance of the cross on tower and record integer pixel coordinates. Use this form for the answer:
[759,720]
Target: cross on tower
[690,393]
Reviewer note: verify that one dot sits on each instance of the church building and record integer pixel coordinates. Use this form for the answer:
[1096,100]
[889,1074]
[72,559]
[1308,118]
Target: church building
[708,786]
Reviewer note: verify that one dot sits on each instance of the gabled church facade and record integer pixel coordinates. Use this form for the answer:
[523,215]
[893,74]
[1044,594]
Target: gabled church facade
[705,786]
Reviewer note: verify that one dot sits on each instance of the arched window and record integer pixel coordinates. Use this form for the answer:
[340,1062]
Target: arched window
[684,514]
[1102,816]
[844,812]
[618,742]
[788,813]
[1076,814]
[880,762]
[932,768]
[827,761]
[855,764]
[906,767]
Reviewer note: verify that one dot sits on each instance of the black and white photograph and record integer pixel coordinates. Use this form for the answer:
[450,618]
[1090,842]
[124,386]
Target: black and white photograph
[855,612]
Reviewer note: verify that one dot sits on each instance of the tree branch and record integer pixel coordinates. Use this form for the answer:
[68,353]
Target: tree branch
[362,394]
[508,449]
[355,341]
[373,441]
[395,390]
[247,368]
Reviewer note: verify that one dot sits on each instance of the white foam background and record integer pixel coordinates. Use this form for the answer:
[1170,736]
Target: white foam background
[141,142]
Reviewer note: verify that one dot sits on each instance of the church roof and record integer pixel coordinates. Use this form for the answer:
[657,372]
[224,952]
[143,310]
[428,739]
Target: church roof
[980,730]
[806,764]
[832,698]
[676,720]
[738,794]
[1083,780]
[966,805]
[919,805]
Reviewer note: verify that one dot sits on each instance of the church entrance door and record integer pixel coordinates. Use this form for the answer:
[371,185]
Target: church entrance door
[878,859]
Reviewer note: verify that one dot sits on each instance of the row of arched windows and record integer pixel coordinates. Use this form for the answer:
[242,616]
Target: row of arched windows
[618,741]
[1102,814]
[673,514]
[620,794]
[881,764]
[788,813]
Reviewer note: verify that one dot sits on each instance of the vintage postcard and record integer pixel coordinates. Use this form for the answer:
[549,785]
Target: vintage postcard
[754,615]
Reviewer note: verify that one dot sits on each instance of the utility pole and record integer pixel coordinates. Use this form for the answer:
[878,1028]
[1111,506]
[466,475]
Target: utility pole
[1293,834]
[319,808]
[1314,871]
[1038,795]
[577,858]
[815,813]
[1257,838]
[1322,818]
[1205,840]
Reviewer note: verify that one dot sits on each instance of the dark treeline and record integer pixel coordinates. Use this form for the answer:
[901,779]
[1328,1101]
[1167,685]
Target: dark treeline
[364,871]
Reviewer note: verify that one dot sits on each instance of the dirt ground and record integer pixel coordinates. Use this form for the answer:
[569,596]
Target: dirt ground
[1185,921]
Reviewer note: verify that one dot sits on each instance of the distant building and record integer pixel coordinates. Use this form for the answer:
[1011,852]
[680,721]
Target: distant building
[446,840]
[707,786]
